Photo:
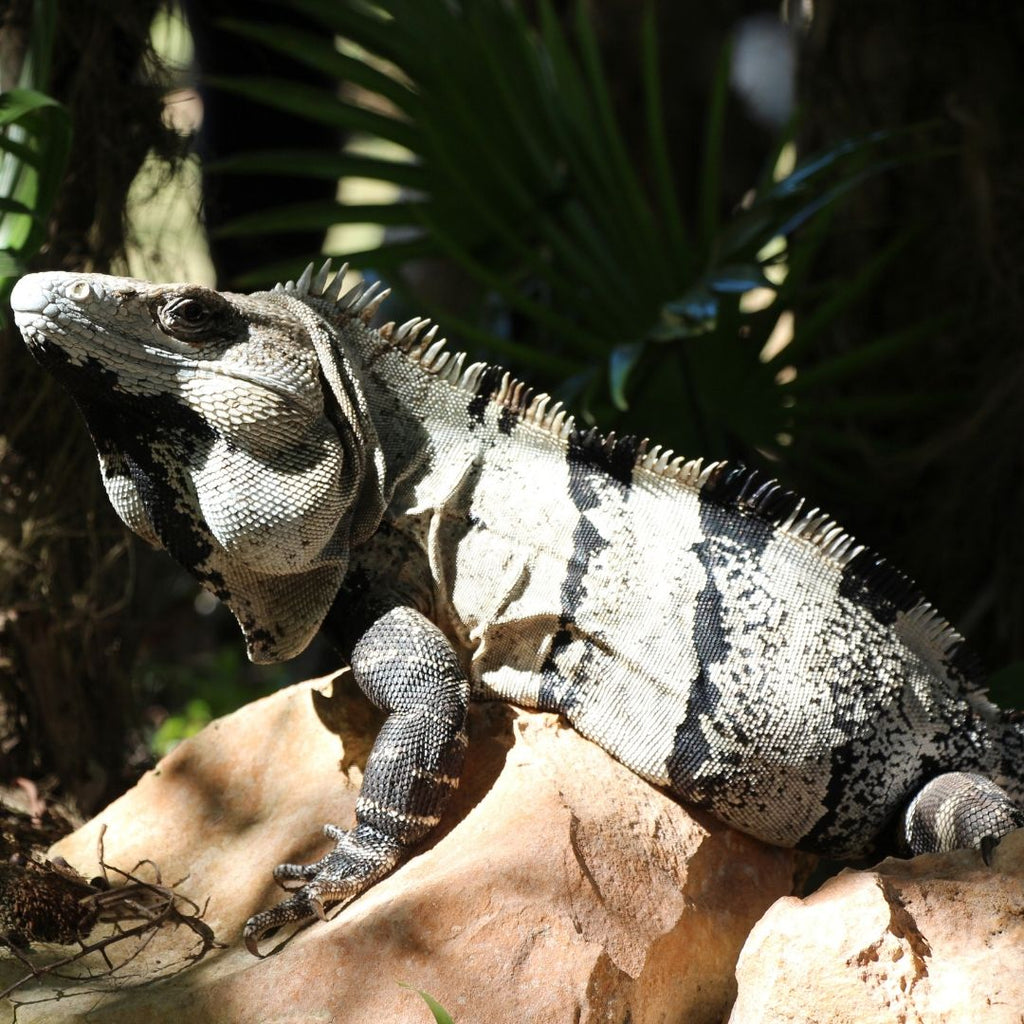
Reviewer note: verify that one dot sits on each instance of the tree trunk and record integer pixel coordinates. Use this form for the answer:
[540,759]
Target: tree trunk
[65,700]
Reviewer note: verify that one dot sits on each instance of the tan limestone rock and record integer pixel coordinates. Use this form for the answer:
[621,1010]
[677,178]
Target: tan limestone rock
[939,938]
[560,887]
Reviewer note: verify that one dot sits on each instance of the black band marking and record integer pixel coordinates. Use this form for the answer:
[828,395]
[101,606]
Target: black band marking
[490,381]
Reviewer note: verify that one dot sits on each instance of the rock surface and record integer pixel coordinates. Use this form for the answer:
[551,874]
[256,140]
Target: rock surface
[936,938]
[560,887]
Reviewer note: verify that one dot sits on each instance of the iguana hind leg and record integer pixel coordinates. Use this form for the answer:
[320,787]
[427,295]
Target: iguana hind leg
[958,810]
[405,665]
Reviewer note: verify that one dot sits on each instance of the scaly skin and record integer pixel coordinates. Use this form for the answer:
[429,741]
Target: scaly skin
[461,539]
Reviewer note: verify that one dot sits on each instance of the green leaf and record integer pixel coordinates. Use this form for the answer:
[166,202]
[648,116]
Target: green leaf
[319,52]
[828,198]
[21,150]
[709,197]
[657,140]
[441,1015]
[316,216]
[10,265]
[319,105]
[366,23]
[324,164]
[622,360]
[389,256]
[801,175]
[13,206]
[620,166]
[16,104]
[32,162]
[736,278]
[697,306]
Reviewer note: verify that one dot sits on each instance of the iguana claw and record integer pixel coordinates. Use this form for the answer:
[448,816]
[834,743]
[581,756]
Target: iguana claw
[296,908]
[360,857]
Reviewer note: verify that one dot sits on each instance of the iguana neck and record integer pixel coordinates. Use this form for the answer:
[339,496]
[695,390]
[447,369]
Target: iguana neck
[436,415]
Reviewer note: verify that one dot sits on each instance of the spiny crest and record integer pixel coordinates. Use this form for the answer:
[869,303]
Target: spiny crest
[419,341]
[751,492]
[362,300]
[868,578]
[508,393]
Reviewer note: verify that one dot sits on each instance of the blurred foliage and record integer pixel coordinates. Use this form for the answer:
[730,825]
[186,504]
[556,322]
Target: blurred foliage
[35,140]
[578,261]
[199,690]
[81,109]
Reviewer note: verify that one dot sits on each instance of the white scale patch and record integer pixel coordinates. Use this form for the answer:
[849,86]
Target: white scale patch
[506,586]
[266,517]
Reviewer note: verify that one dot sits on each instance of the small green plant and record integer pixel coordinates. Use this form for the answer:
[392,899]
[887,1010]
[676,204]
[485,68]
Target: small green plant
[441,1015]
[197,691]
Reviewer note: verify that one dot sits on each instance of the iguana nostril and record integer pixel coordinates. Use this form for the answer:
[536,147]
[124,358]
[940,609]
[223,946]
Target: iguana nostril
[30,295]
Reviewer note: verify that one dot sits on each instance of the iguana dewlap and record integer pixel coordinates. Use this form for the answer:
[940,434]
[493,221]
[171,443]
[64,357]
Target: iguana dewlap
[460,539]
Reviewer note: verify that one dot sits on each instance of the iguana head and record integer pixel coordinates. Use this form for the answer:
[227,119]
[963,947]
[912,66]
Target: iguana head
[231,431]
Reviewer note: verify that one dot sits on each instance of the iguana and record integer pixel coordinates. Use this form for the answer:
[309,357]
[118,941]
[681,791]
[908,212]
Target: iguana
[461,538]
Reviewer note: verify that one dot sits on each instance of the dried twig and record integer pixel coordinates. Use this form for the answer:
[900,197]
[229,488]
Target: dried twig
[135,908]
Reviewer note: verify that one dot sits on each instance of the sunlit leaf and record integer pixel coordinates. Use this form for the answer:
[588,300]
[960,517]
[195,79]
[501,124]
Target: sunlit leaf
[621,361]
[736,278]
[15,104]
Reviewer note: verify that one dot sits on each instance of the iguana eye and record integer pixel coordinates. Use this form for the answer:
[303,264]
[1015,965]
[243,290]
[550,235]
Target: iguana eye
[185,318]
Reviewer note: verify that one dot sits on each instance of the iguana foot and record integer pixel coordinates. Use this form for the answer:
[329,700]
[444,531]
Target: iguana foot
[361,857]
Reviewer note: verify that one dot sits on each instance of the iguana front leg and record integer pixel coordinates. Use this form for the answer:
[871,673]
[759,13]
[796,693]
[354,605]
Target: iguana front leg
[406,666]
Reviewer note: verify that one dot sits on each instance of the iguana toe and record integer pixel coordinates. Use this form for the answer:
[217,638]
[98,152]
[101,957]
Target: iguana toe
[360,857]
[296,908]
